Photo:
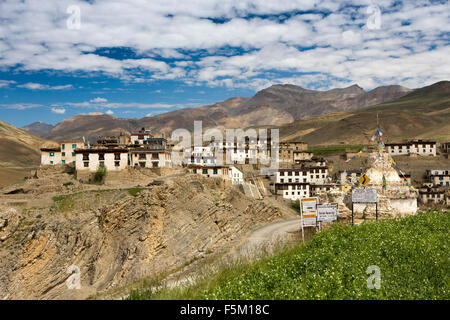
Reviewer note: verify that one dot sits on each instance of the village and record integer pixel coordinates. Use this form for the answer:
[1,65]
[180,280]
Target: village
[298,174]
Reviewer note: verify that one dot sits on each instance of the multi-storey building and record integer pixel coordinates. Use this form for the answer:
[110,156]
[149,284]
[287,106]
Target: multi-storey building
[65,154]
[416,147]
[433,194]
[68,150]
[114,159]
[439,177]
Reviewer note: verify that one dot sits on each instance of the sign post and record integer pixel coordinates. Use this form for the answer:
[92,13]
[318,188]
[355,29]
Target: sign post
[308,213]
[327,212]
[361,195]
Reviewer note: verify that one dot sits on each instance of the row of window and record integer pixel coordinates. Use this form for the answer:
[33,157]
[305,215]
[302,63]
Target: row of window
[116,163]
[63,146]
[52,154]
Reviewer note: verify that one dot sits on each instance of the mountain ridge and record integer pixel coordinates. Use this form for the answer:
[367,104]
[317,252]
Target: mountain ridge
[276,105]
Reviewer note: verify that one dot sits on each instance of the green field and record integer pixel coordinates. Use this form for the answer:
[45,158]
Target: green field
[412,255]
[336,149]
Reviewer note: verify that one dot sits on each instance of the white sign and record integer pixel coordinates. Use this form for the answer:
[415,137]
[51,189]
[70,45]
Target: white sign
[361,195]
[327,212]
[309,211]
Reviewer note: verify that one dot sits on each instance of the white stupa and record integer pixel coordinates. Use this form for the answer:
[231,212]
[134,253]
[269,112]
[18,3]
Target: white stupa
[395,196]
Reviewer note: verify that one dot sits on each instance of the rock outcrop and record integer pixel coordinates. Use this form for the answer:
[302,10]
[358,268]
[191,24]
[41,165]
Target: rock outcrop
[161,229]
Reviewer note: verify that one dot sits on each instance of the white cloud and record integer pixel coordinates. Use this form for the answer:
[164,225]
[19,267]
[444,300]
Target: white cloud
[59,110]
[40,86]
[34,36]
[6,83]
[109,112]
[98,100]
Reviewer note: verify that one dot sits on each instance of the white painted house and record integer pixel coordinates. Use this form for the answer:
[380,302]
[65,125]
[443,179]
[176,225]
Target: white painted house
[149,158]
[236,176]
[90,159]
[416,147]
[68,150]
[50,156]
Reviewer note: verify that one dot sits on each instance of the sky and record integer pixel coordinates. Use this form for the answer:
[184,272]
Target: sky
[137,58]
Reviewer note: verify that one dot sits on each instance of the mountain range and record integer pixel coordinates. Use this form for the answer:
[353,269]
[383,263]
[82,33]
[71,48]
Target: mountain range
[277,105]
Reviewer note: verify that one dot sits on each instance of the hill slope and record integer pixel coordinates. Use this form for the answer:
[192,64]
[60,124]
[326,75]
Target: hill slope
[19,151]
[423,113]
[340,263]
[38,128]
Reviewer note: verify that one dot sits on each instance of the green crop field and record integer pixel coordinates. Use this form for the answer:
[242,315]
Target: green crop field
[412,255]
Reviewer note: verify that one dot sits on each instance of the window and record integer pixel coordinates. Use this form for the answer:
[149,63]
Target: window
[74,146]
[63,146]
[205,171]
[101,156]
[117,163]
[73,154]
[194,170]
[51,162]
[63,161]
[85,156]
[215,170]
[86,164]
[52,154]
[116,156]
[63,154]
[142,156]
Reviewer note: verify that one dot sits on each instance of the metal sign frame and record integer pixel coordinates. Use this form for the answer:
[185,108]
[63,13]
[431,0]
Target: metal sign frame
[301,214]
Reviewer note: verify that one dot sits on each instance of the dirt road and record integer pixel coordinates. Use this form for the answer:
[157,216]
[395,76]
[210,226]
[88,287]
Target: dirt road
[268,236]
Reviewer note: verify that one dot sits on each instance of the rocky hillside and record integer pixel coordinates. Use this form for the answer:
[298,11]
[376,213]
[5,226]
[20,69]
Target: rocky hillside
[423,113]
[276,105]
[112,236]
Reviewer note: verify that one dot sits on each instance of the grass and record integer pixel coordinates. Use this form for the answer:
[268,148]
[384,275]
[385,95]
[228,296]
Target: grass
[63,202]
[334,149]
[412,254]
[134,191]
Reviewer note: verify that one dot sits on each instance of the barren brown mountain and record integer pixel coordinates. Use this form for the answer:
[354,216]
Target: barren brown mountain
[19,152]
[276,105]
[423,113]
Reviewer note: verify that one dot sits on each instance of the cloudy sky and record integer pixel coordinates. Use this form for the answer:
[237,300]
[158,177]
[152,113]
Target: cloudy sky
[132,58]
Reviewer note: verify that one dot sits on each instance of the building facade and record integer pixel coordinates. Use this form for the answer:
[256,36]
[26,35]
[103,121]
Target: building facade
[91,159]
[68,150]
[50,156]
[415,147]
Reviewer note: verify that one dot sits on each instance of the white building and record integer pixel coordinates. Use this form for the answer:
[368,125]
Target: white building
[292,191]
[203,156]
[236,176]
[65,154]
[211,171]
[431,195]
[50,156]
[91,159]
[439,177]
[417,147]
[68,150]
[141,137]
[148,158]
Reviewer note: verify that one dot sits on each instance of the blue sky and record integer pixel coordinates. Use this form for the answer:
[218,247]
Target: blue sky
[134,58]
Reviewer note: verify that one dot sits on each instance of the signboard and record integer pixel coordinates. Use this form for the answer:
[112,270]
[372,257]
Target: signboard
[327,212]
[308,207]
[360,195]
[364,180]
